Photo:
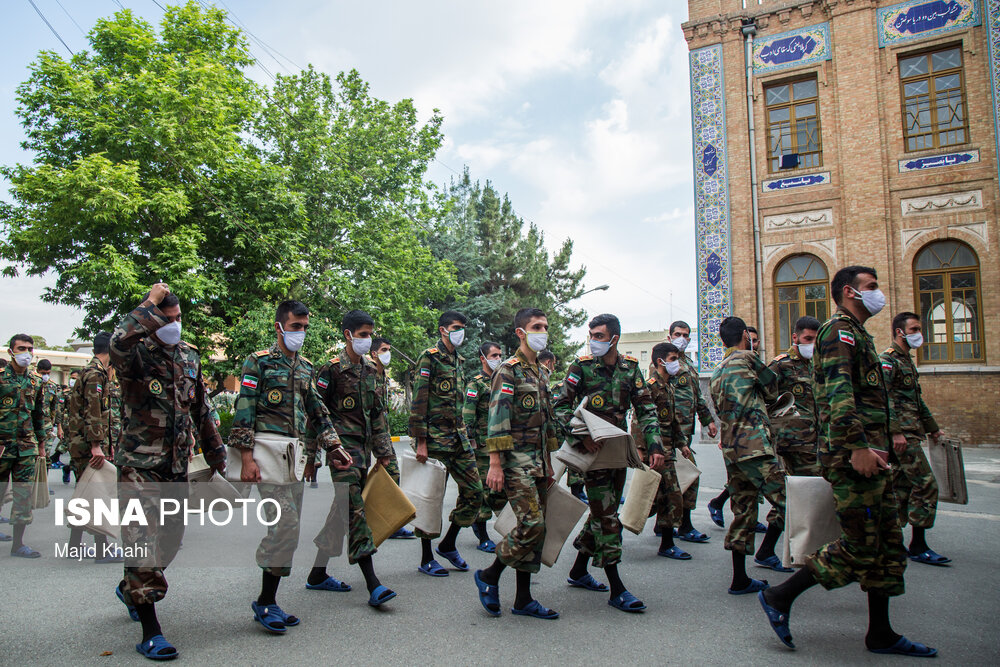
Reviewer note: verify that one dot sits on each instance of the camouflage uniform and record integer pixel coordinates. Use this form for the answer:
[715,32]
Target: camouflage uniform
[51,392]
[22,429]
[522,428]
[740,386]
[277,395]
[382,386]
[90,416]
[350,393]
[165,415]
[795,435]
[573,477]
[436,414]
[688,401]
[476,414]
[916,488]
[854,413]
[668,504]
[116,412]
[62,419]
[611,390]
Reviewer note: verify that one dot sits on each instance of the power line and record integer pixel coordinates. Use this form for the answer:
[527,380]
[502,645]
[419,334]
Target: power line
[54,31]
[82,32]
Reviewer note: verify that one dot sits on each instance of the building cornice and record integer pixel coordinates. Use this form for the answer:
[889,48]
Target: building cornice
[781,15]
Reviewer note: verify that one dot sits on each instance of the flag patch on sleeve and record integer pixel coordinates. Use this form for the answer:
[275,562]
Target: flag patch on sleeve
[425,372]
[887,365]
[100,388]
[322,383]
[573,378]
[249,381]
[507,389]
[472,393]
[846,337]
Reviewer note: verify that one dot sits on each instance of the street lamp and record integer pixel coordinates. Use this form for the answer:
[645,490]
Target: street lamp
[599,288]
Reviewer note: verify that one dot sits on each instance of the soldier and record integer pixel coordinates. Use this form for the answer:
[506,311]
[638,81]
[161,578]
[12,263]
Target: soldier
[475,414]
[165,415]
[740,386]
[754,340]
[913,479]
[437,428]
[668,504]
[382,355]
[277,397]
[854,417]
[63,446]
[688,401]
[90,432]
[796,433]
[50,391]
[347,386]
[521,433]
[612,382]
[22,435]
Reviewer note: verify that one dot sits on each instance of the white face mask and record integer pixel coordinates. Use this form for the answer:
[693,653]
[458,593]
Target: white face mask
[45,377]
[599,347]
[457,337]
[23,359]
[293,339]
[385,357]
[169,334]
[873,300]
[806,350]
[680,342]
[361,346]
[536,341]
[915,340]
[672,367]
[71,383]
[493,364]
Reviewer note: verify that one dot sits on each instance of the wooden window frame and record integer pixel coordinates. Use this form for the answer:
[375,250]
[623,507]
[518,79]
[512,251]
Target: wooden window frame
[934,132]
[803,284]
[949,321]
[791,115]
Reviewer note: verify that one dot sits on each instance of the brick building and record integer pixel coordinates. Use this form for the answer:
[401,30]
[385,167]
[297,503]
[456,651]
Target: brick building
[873,128]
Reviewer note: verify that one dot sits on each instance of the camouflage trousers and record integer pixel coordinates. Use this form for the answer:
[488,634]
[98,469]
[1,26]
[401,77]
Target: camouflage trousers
[691,495]
[669,503]
[916,488]
[521,548]
[573,478]
[275,552]
[800,463]
[461,465]
[870,547]
[21,471]
[746,481]
[493,501]
[601,537]
[151,547]
[360,541]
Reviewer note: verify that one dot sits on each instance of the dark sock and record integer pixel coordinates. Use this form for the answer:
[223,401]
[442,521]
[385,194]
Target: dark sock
[781,596]
[447,542]
[268,588]
[740,578]
[522,598]
[918,544]
[686,526]
[576,489]
[491,575]
[614,581]
[479,529]
[667,539]
[720,500]
[99,543]
[368,569]
[318,574]
[426,555]
[75,537]
[18,537]
[147,616]
[579,566]
[770,540]
[880,632]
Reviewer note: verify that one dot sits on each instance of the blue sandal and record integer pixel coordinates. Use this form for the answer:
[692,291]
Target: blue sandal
[402,534]
[489,595]
[628,602]
[379,595]
[433,568]
[905,647]
[270,616]
[454,558]
[674,552]
[588,582]
[760,528]
[24,551]
[488,546]
[157,648]
[132,613]
[778,621]
[329,584]
[694,536]
[772,562]
[930,557]
[716,514]
[5,538]
[755,586]
[533,608]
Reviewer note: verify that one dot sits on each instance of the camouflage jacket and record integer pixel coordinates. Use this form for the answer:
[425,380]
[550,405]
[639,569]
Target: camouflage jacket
[352,394]
[851,400]
[795,432]
[438,390]
[611,391]
[22,413]
[688,399]
[740,386]
[116,411]
[521,425]
[165,410]
[671,432]
[911,416]
[476,411]
[278,396]
[90,412]
[62,414]
[51,392]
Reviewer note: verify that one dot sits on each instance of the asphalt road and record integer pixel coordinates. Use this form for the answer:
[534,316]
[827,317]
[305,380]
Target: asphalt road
[59,612]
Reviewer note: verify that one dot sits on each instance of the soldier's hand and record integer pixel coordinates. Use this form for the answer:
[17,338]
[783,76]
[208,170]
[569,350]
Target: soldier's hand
[220,468]
[866,462]
[591,445]
[494,478]
[157,292]
[713,430]
[339,459]
[658,461]
[937,435]
[473,443]
[686,451]
[384,461]
[250,471]
[309,474]
[899,442]
[421,450]
[96,458]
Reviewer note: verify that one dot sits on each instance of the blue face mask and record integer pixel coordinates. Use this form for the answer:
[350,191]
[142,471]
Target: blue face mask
[599,348]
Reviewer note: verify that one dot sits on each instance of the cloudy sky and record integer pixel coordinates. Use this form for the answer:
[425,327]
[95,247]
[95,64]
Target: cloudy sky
[578,109]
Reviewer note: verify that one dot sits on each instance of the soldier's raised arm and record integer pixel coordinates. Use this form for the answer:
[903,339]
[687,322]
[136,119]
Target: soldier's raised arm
[765,378]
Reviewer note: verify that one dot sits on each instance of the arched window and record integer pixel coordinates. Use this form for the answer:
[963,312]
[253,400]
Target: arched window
[801,287]
[947,275]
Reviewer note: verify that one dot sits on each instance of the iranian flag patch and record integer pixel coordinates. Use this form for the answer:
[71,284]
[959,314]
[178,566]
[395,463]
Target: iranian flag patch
[472,393]
[846,337]
[425,372]
[100,388]
[322,383]
[887,365]
[249,381]
[573,378]
[507,389]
